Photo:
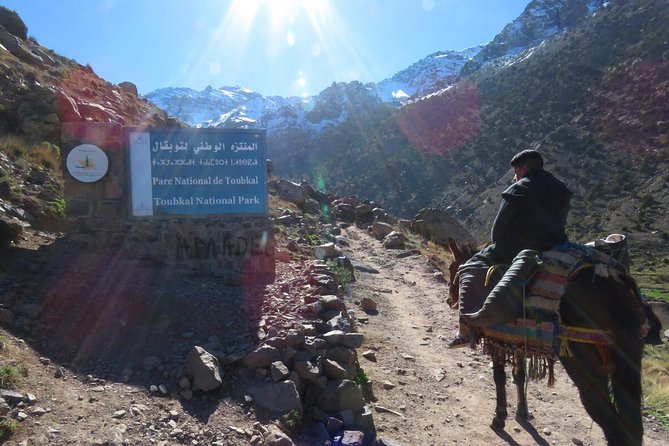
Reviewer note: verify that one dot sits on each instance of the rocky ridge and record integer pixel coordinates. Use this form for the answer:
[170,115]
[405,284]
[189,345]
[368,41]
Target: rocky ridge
[40,89]
[541,20]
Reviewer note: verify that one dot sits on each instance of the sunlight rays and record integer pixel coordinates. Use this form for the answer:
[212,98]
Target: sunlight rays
[225,47]
[333,37]
[289,41]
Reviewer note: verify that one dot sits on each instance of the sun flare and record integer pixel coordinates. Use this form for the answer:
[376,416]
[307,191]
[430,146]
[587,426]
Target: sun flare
[305,34]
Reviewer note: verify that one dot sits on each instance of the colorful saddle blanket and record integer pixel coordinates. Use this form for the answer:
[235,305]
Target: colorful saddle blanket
[539,335]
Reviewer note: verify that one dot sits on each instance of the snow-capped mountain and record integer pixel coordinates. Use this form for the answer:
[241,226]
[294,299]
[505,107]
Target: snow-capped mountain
[217,107]
[432,73]
[540,20]
[238,106]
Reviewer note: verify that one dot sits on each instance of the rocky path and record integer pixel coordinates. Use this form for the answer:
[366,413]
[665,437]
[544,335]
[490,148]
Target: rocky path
[429,395]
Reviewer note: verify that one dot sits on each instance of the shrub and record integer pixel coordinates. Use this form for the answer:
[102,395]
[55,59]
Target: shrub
[343,275]
[10,375]
[7,429]
[361,376]
[57,207]
[313,239]
[292,420]
[11,21]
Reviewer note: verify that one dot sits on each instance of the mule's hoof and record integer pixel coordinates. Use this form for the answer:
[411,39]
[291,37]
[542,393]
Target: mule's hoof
[497,424]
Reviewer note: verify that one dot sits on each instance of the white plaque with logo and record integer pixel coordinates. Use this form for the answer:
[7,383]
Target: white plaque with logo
[87,163]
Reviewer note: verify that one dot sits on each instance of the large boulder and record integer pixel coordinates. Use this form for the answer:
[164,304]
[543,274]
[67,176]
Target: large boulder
[380,230]
[262,357]
[10,229]
[280,398]
[326,251]
[311,206]
[438,225]
[275,437]
[339,395]
[394,240]
[128,87]
[203,368]
[290,191]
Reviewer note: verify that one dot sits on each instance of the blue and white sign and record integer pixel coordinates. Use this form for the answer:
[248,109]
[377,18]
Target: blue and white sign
[200,172]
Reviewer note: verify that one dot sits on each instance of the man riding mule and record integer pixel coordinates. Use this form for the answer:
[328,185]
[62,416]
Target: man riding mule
[532,215]
[557,301]
[594,327]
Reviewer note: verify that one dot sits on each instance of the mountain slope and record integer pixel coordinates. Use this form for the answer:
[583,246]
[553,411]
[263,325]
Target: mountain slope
[237,106]
[40,89]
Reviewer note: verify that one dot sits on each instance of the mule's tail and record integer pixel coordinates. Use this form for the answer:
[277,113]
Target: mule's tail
[654,336]
[626,355]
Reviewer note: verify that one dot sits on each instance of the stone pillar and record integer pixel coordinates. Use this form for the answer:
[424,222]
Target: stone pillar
[97,208]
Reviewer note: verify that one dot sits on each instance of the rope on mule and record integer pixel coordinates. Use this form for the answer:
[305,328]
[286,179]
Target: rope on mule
[525,344]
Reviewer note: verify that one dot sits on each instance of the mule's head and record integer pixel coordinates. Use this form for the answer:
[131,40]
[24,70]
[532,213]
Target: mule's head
[460,256]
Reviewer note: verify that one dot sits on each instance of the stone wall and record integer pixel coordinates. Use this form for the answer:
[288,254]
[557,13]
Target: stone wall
[99,212]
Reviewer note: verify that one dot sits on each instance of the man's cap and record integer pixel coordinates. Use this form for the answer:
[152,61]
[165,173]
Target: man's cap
[528,156]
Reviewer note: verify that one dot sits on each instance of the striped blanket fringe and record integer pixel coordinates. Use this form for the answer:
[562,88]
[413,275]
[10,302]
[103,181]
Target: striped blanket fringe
[541,361]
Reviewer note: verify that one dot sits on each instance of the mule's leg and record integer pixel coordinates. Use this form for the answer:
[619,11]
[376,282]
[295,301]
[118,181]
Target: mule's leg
[499,376]
[519,377]
[626,387]
[586,371]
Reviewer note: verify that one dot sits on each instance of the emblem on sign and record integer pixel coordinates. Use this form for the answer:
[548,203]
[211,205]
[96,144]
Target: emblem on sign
[87,163]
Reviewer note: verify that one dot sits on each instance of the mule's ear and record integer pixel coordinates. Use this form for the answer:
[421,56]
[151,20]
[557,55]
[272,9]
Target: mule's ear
[454,248]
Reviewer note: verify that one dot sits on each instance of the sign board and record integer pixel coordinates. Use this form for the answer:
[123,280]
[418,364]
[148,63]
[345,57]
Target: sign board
[198,172]
[87,163]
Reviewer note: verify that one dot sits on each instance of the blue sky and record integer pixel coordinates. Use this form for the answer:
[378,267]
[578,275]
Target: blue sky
[275,47]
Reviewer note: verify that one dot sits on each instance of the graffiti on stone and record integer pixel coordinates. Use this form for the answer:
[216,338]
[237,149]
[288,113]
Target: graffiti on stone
[227,245]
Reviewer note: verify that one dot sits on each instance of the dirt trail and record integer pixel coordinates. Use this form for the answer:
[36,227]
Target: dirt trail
[437,396]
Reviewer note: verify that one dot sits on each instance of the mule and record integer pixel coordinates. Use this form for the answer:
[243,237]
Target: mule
[609,390]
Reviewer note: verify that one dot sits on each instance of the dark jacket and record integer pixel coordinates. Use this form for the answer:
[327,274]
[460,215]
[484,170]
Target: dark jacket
[532,215]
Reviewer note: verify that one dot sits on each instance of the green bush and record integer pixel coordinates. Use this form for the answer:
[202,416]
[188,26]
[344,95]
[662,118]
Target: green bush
[343,275]
[7,429]
[57,207]
[361,376]
[11,374]
[11,21]
[292,420]
[313,239]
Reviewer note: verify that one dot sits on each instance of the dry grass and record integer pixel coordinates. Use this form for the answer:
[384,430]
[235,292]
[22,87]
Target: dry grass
[656,378]
[277,205]
[43,155]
